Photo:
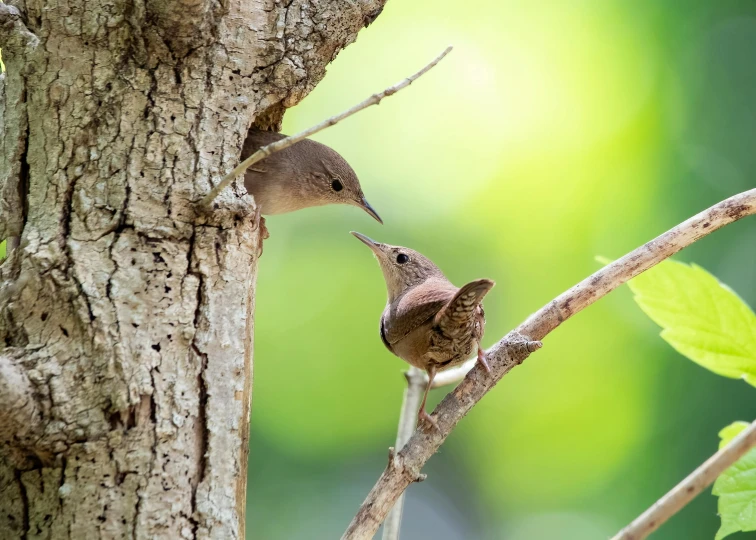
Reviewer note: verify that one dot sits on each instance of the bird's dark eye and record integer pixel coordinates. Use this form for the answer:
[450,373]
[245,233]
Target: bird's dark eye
[336,185]
[402,258]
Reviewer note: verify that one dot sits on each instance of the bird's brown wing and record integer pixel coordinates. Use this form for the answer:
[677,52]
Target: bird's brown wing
[415,308]
[454,316]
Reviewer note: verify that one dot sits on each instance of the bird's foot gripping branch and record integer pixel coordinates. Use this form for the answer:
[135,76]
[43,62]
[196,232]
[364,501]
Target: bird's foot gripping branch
[405,469]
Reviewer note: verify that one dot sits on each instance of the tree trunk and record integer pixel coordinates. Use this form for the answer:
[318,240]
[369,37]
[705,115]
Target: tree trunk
[126,316]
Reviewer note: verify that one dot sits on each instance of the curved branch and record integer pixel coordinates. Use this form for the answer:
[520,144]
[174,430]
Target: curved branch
[265,151]
[636,262]
[691,487]
[509,352]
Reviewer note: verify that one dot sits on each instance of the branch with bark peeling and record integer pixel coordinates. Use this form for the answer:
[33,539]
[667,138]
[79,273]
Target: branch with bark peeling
[277,146]
[518,344]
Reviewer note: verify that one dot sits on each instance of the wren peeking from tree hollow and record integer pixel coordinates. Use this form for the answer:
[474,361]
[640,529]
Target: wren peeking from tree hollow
[428,322]
[303,175]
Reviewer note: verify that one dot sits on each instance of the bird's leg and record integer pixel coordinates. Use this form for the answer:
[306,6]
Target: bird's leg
[422,414]
[482,360]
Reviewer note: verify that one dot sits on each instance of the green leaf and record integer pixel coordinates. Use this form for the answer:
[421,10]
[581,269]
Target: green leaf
[701,318]
[736,488]
[730,432]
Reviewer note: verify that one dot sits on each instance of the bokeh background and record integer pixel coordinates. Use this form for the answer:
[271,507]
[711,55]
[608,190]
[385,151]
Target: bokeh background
[553,133]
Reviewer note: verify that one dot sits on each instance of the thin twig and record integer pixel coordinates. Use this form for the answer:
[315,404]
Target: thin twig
[416,381]
[265,151]
[516,346]
[691,487]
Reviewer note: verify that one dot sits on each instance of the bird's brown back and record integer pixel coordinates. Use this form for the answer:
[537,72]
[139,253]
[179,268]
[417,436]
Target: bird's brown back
[418,305]
[435,323]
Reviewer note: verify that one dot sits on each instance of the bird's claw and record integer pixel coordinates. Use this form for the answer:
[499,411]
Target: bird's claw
[423,416]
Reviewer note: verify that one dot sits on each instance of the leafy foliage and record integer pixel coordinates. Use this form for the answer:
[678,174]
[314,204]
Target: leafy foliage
[736,487]
[707,322]
[701,318]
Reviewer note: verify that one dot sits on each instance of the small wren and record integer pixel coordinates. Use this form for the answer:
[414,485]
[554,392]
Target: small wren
[303,175]
[428,322]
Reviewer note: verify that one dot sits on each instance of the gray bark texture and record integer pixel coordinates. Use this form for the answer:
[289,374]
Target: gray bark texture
[126,316]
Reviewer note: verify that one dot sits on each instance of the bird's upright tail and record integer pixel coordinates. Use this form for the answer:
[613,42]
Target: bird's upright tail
[453,317]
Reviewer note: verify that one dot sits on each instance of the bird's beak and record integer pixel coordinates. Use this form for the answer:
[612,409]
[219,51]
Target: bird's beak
[372,244]
[369,209]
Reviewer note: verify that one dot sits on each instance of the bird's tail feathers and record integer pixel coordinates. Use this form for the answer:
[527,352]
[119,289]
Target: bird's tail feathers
[462,306]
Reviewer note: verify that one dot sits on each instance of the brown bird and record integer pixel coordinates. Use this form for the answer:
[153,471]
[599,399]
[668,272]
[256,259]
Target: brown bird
[303,175]
[428,322]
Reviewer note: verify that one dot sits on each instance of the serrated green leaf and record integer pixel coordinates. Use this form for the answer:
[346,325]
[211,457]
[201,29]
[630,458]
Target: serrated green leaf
[736,488]
[701,318]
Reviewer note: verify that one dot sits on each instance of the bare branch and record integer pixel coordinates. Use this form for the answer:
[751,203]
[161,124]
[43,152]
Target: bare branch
[518,344]
[416,381]
[604,281]
[265,151]
[691,487]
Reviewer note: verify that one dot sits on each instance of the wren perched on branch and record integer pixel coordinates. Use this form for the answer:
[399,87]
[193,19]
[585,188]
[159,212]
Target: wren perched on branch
[303,175]
[428,322]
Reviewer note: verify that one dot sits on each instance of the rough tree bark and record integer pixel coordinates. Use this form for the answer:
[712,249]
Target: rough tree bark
[126,316]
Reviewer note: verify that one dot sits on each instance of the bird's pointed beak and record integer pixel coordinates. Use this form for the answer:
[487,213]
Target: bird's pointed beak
[369,209]
[369,242]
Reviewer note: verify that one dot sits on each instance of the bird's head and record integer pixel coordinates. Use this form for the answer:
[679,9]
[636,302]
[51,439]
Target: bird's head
[331,180]
[402,267]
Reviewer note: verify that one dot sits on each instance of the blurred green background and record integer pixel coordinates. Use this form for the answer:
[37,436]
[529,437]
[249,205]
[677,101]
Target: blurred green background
[554,132]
